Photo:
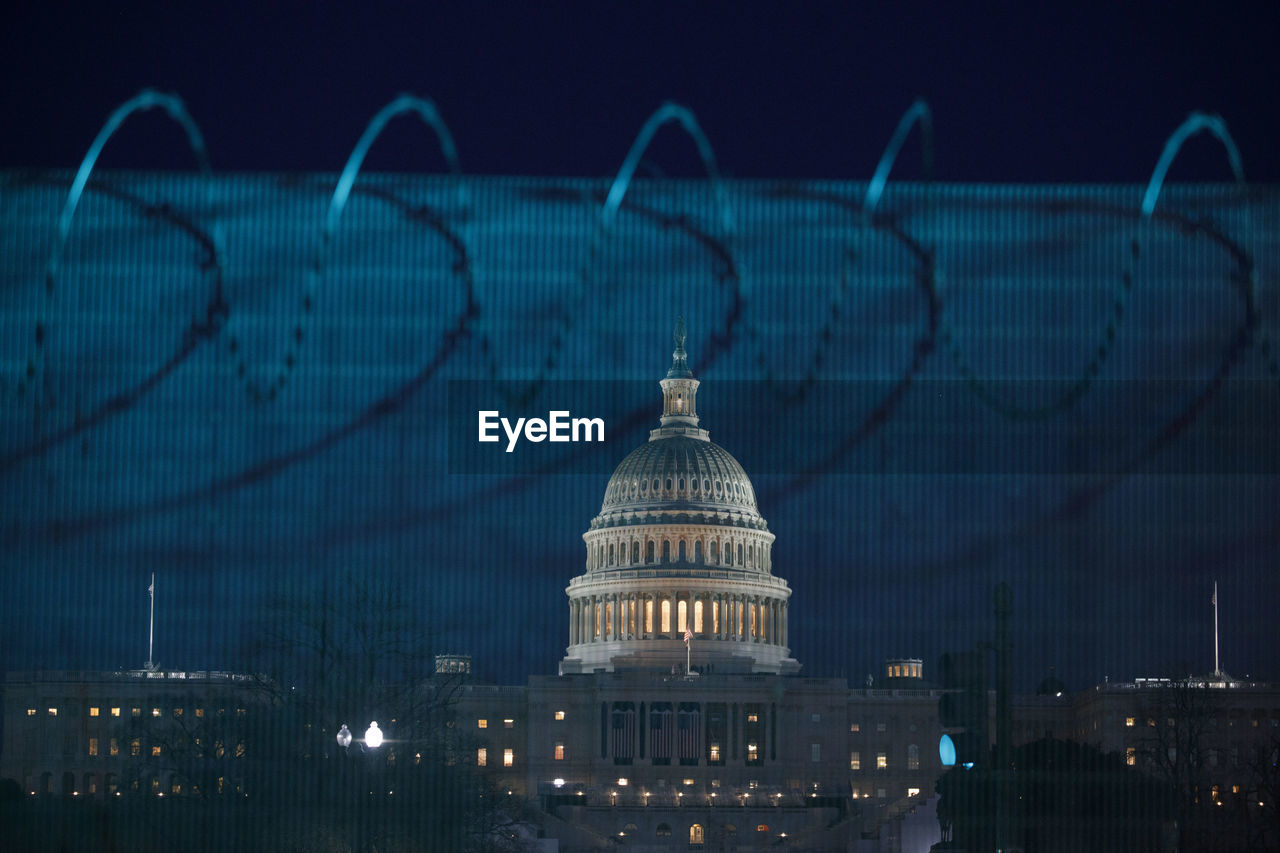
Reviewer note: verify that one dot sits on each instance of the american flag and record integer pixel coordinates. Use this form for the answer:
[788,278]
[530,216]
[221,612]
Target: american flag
[624,732]
[688,635]
[689,730]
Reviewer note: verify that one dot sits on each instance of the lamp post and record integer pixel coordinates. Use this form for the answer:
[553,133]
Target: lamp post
[373,739]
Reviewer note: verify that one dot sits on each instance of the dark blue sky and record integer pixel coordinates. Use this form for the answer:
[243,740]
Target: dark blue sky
[881,566]
[1084,93]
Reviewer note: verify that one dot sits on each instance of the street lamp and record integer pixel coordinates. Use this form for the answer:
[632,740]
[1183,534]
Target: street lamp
[373,736]
[344,736]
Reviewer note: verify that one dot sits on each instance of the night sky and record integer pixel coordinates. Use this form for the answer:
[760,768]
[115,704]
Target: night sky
[887,564]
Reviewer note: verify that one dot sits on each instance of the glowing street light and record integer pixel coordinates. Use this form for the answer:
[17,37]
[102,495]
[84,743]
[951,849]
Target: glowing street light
[344,736]
[373,736]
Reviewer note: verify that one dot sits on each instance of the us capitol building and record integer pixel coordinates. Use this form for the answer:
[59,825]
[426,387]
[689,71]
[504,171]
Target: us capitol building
[678,719]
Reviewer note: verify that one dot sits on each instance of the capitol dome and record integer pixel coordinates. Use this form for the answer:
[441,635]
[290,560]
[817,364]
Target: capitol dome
[679,559]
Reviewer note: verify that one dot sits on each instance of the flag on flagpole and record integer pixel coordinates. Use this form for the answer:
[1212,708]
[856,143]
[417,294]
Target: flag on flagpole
[152,589]
[688,635]
[1214,600]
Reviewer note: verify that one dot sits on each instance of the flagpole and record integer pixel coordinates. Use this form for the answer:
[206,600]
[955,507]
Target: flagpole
[1216,669]
[151,633]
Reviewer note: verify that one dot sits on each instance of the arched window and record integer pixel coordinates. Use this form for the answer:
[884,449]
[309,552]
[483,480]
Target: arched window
[664,830]
[635,550]
[681,557]
[648,615]
[913,757]
[666,616]
[728,553]
[697,616]
[695,834]
[715,551]
[608,619]
[697,551]
[669,484]
[648,551]
[682,618]
[666,550]
[740,554]
[611,553]
[630,830]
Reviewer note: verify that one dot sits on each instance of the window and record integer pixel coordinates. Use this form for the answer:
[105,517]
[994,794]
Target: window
[880,727]
[913,792]
[714,754]
[113,747]
[855,727]
[53,712]
[815,718]
[753,751]
[880,793]
[482,757]
[135,747]
[815,752]
[753,718]
[663,830]
[93,746]
[240,750]
[155,712]
[93,710]
[762,827]
[31,712]
[913,757]
[175,787]
[559,751]
[559,715]
[882,761]
[1128,722]
[855,760]
[155,750]
[666,613]
[135,712]
[482,724]
[695,834]
[509,724]
[177,713]
[115,710]
[199,713]
[1130,756]
[508,757]
[240,712]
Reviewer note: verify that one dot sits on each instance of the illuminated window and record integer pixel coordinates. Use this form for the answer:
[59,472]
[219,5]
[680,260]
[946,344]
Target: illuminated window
[695,834]
[697,623]
[155,712]
[31,712]
[682,617]
[753,718]
[175,787]
[177,713]
[115,710]
[482,724]
[753,752]
[1128,722]
[113,747]
[913,757]
[1235,789]
[240,712]
[53,712]
[508,724]
[240,750]
[559,715]
[913,792]
[93,710]
[648,616]
[714,752]
[1130,756]
[93,746]
[559,751]
[854,727]
[855,760]
[135,747]
[762,827]
[508,757]
[482,757]
[882,761]
[666,614]
[136,712]
[815,752]
[199,712]
[156,750]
